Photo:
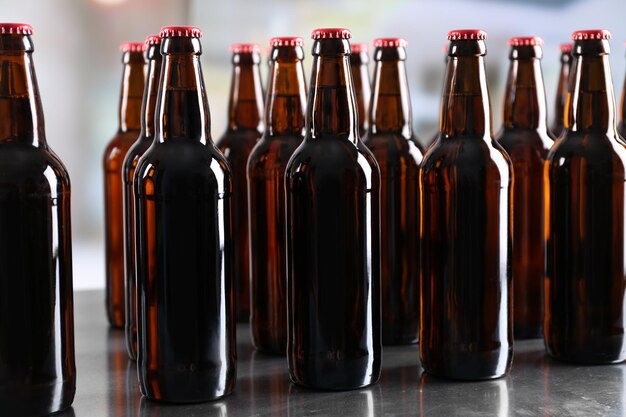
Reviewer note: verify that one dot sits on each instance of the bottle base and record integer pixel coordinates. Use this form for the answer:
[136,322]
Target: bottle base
[39,400]
[527,332]
[187,387]
[329,375]
[467,366]
[400,340]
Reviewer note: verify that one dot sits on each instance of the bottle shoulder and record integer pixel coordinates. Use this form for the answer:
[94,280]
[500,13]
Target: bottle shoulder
[23,164]
[116,149]
[272,152]
[474,156]
[392,147]
[234,141]
[594,149]
[522,140]
[135,152]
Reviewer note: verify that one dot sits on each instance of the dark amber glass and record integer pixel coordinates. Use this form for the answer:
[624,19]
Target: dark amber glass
[465,184]
[584,179]
[333,275]
[359,64]
[245,127]
[525,137]
[284,118]
[37,369]
[561,90]
[391,140]
[621,127]
[182,191]
[146,137]
[128,130]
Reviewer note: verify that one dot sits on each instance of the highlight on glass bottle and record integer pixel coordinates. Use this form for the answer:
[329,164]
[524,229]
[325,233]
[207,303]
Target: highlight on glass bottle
[561,89]
[245,127]
[284,120]
[525,137]
[333,196]
[145,139]
[584,178]
[129,127]
[391,140]
[37,366]
[465,228]
[359,64]
[182,198]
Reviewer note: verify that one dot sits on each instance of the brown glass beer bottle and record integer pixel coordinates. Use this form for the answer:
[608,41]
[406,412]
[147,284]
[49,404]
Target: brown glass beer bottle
[146,137]
[128,130]
[359,64]
[465,184]
[182,198]
[584,177]
[284,120]
[525,137]
[37,368]
[333,197]
[245,127]
[561,89]
[391,140]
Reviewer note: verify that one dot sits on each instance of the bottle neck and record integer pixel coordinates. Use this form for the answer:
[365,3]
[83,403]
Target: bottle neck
[20,105]
[362,88]
[623,103]
[561,90]
[151,91]
[286,93]
[332,106]
[390,110]
[182,107]
[245,108]
[525,97]
[590,103]
[131,94]
[465,107]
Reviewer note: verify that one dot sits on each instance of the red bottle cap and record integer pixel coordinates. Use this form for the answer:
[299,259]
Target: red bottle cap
[391,43]
[566,48]
[526,41]
[467,35]
[286,41]
[592,34]
[245,48]
[15,29]
[331,33]
[132,47]
[180,32]
[357,48]
[153,40]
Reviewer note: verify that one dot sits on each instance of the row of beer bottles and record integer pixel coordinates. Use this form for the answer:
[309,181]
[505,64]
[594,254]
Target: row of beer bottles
[182,196]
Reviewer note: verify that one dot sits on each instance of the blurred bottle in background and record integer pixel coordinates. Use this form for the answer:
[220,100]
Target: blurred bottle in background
[128,130]
[465,184]
[333,226]
[284,121]
[525,137]
[182,191]
[245,127]
[621,128]
[584,178]
[359,63]
[561,89]
[37,368]
[390,138]
[146,137]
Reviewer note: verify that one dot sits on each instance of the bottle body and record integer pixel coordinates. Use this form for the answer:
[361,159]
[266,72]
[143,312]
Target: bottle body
[465,219]
[185,298]
[37,365]
[129,129]
[333,277]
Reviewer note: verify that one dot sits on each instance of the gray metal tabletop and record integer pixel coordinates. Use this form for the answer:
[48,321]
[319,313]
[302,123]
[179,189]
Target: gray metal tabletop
[537,386]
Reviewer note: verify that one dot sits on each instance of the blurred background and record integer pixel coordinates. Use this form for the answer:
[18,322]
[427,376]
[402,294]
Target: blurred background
[79,68]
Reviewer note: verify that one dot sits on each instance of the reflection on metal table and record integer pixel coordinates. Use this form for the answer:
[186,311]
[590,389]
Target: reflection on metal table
[537,386]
